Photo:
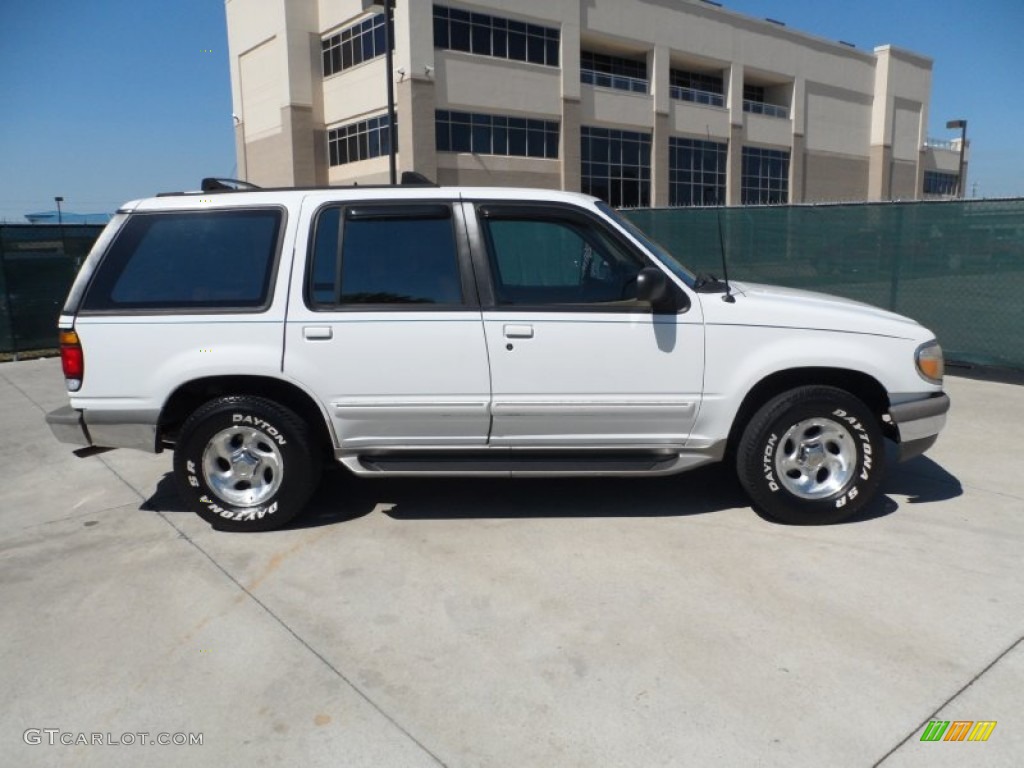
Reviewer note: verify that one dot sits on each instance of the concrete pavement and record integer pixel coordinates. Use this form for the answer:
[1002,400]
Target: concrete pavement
[510,623]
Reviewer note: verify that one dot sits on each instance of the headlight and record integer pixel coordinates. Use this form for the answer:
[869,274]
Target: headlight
[930,363]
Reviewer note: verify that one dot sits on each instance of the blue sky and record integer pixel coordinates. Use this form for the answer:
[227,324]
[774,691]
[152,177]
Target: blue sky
[108,100]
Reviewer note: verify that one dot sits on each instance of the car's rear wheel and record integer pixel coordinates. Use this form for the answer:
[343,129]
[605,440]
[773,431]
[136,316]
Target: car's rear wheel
[245,464]
[811,456]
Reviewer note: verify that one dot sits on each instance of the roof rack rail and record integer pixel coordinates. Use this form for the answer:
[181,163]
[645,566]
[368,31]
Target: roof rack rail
[214,184]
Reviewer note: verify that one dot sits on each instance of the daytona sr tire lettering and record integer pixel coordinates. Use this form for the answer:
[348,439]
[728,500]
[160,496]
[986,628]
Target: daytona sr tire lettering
[813,455]
[245,463]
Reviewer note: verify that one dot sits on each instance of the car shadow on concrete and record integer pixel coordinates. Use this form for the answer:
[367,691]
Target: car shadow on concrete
[921,480]
[342,497]
[705,490]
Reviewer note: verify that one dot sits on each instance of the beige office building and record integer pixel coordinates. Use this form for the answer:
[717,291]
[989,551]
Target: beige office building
[640,102]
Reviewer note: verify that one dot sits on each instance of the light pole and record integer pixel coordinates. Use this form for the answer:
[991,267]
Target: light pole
[60,224]
[962,125]
[387,6]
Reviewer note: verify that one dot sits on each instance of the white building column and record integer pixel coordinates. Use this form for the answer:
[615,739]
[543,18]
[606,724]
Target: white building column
[569,150]
[798,147]
[415,99]
[659,68]
[734,162]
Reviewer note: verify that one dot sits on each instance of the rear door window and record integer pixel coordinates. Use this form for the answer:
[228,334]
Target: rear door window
[190,260]
[400,255]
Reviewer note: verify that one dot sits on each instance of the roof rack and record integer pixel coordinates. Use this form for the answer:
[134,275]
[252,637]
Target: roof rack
[213,184]
[414,179]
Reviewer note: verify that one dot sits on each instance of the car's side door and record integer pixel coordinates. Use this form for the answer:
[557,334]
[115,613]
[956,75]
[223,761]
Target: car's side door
[576,359]
[384,324]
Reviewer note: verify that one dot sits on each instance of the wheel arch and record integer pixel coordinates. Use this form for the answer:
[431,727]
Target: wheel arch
[859,384]
[190,395]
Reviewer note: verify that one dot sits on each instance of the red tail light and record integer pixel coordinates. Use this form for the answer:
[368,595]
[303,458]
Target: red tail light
[72,360]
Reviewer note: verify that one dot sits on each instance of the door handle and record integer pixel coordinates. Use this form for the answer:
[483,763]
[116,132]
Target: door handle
[317,332]
[518,331]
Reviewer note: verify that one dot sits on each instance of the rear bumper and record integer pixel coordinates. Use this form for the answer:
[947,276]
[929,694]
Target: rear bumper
[68,426]
[919,423]
[105,429]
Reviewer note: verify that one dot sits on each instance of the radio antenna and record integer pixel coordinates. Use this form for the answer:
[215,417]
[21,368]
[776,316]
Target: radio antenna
[727,296]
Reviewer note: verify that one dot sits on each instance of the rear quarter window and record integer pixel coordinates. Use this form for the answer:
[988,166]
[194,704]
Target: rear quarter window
[189,261]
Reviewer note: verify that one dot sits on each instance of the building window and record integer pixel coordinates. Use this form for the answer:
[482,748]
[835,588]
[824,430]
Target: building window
[765,176]
[697,87]
[616,166]
[753,92]
[939,183]
[696,172]
[754,101]
[496,135]
[360,141]
[613,72]
[479,33]
[354,45]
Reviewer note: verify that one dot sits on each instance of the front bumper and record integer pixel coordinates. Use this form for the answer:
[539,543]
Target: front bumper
[919,423]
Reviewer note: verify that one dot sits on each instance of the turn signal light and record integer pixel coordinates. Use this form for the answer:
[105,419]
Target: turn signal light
[72,360]
[930,362]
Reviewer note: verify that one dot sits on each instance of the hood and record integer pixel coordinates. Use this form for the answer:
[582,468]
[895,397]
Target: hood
[758,304]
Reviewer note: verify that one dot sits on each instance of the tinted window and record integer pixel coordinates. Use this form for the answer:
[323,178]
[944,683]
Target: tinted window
[407,258]
[555,261]
[216,259]
[325,257]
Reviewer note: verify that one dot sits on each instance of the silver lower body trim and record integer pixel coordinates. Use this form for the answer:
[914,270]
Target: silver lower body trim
[463,465]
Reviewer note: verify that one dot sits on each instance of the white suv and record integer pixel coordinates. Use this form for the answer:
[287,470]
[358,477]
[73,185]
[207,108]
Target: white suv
[462,331]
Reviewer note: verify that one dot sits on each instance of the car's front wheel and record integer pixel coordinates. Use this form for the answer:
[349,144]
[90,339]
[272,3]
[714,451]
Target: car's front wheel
[811,456]
[245,464]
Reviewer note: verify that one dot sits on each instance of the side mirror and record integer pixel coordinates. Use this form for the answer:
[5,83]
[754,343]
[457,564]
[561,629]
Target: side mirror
[653,286]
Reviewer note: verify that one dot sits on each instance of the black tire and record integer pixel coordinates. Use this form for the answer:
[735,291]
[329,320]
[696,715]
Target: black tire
[812,456]
[245,464]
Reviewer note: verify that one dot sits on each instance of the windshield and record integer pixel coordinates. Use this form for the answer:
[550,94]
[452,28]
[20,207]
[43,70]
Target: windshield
[662,253]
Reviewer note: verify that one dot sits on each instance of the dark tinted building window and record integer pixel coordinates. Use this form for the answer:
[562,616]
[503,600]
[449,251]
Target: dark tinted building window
[360,141]
[216,259]
[387,257]
[613,72]
[616,166]
[939,183]
[698,87]
[486,35]
[496,134]
[696,172]
[353,45]
[765,178]
[753,92]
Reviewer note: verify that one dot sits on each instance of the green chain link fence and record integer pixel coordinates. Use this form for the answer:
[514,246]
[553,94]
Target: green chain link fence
[956,267]
[37,264]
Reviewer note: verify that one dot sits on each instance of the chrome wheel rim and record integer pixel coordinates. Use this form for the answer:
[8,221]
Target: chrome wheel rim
[815,458]
[243,466]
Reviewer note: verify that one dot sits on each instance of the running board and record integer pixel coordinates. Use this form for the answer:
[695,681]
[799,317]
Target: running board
[495,463]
